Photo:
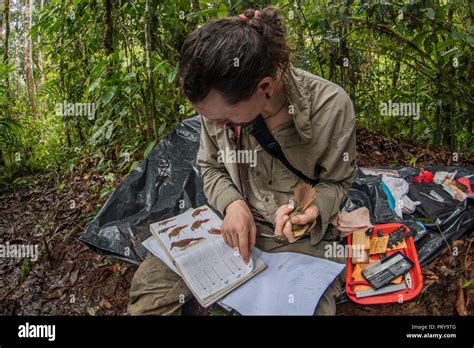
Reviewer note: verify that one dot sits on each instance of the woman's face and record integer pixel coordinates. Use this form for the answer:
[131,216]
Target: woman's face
[216,109]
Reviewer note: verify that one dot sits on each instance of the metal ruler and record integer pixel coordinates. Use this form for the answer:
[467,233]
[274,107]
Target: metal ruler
[384,290]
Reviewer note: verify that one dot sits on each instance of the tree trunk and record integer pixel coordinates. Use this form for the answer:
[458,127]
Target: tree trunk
[62,83]
[6,15]
[396,74]
[110,39]
[1,30]
[30,79]
[109,29]
[40,54]
[79,130]
[149,70]
[332,58]
[17,62]
[437,135]
[7,32]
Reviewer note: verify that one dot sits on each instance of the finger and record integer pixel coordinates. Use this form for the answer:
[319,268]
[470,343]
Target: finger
[285,209]
[279,224]
[226,238]
[244,245]
[253,235]
[288,232]
[308,216]
[234,239]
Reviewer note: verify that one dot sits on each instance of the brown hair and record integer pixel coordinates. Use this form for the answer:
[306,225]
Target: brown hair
[232,55]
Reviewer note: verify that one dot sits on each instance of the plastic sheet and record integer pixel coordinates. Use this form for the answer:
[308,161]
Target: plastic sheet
[167,183]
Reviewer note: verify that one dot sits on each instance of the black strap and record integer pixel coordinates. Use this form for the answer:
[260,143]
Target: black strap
[264,137]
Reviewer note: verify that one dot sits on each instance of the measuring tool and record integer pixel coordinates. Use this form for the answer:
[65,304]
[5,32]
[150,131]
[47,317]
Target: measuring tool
[384,271]
[383,290]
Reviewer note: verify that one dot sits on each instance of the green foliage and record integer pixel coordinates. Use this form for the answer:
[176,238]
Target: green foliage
[25,269]
[418,51]
[9,131]
[469,283]
[379,51]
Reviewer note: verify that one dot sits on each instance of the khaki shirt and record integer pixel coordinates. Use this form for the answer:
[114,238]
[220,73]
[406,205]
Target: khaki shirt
[320,142]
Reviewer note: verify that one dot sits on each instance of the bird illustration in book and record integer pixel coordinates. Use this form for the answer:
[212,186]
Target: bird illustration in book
[198,224]
[198,211]
[163,223]
[166,229]
[176,231]
[214,231]
[186,243]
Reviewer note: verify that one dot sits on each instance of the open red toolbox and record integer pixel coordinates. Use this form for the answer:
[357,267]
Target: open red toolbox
[415,272]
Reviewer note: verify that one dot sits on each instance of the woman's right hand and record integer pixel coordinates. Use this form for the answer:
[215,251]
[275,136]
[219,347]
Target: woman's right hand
[238,228]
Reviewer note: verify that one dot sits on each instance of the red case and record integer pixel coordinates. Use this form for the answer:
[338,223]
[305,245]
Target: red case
[415,272]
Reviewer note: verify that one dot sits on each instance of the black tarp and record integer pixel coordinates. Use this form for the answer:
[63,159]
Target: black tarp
[167,183]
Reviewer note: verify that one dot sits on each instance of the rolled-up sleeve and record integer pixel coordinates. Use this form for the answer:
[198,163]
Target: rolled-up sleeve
[219,188]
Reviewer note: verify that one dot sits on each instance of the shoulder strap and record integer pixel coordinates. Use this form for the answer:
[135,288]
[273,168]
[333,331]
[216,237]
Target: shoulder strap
[264,137]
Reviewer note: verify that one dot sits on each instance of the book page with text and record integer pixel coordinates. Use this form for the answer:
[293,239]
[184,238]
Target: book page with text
[212,267]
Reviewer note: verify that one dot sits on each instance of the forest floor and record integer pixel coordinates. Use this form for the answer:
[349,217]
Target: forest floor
[70,279]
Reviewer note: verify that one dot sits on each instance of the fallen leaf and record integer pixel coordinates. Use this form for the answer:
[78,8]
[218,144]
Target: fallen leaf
[55,294]
[74,276]
[460,301]
[429,275]
[105,303]
[117,269]
[92,310]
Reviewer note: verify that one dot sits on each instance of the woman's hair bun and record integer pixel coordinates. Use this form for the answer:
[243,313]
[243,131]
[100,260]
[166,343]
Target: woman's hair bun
[270,15]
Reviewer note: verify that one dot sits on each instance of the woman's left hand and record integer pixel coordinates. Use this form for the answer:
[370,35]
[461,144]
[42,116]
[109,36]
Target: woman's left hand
[283,224]
[309,216]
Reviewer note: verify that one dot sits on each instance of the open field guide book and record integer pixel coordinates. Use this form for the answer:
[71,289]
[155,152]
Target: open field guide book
[191,245]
